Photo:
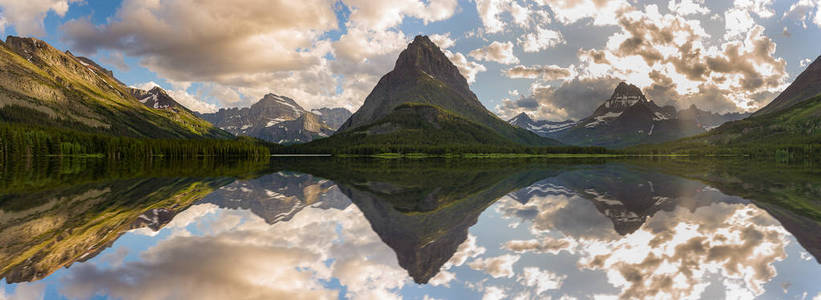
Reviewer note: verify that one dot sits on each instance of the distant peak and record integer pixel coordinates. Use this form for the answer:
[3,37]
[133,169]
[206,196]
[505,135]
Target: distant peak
[157,90]
[523,116]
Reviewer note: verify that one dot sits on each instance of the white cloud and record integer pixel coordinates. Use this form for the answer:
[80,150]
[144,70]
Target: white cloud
[443,278]
[737,22]
[541,280]
[497,52]
[546,73]
[27,16]
[601,12]
[469,69]
[443,41]
[541,39]
[239,256]
[688,7]
[805,62]
[489,11]
[380,15]
[25,291]
[802,11]
[494,293]
[762,8]
[467,250]
[499,266]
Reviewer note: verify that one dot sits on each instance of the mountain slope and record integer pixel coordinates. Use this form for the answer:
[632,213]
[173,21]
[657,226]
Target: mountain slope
[333,117]
[805,86]
[423,93]
[543,128]
[773,128]
[628,118]
[273,118]
[158,99]
[709,120]
[43,86]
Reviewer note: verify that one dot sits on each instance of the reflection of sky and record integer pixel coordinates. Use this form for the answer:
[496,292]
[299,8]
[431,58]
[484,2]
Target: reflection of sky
[553,243]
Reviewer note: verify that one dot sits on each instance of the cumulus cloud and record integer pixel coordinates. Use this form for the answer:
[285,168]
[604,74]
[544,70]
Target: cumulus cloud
[803,11]
[805,62]
[443,41]
[546,73]
[540,279]
[672,255]
[254,47]
[27,16]
[489,13]
[467,68]
[540,40]
[574,99]
[669,53]
[497,52]
[546,245]
[601,12]
[688,7]
[494,293]
[237,255]
[499,266]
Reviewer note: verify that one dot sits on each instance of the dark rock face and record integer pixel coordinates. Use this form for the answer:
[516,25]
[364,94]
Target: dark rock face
[273,118]
[805,86]
[333,117]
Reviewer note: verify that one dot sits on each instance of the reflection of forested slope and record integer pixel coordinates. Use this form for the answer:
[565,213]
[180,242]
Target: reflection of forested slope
[423,209]
[790,193]
[43,228]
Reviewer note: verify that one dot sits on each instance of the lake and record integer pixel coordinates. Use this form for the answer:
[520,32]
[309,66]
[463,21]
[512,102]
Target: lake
[331,228]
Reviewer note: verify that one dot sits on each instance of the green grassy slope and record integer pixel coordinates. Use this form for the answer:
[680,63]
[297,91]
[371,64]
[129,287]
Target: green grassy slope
[415,126]
[72,93]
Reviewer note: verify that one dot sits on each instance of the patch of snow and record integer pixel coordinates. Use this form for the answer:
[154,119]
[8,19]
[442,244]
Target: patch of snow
[659,116]
[603,119]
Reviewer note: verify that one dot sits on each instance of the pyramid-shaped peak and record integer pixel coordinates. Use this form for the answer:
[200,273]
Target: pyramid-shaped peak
[627,89]
[423,55]
[522,117]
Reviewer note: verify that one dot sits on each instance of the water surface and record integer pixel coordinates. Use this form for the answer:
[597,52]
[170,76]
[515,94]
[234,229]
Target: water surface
[315,228]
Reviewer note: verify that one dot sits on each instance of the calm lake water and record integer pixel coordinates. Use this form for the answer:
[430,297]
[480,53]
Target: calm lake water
[324,228]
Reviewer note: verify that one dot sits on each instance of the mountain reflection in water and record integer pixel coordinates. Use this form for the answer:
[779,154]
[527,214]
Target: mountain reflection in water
[330,228]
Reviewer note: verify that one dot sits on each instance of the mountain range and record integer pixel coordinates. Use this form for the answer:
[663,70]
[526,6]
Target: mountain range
[423,102]
[278,119]
[628,118]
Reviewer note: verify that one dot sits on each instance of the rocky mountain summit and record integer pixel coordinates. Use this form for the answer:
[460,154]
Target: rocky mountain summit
[273,118]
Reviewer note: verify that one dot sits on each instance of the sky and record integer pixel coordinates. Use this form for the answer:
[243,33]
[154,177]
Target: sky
[553,59]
